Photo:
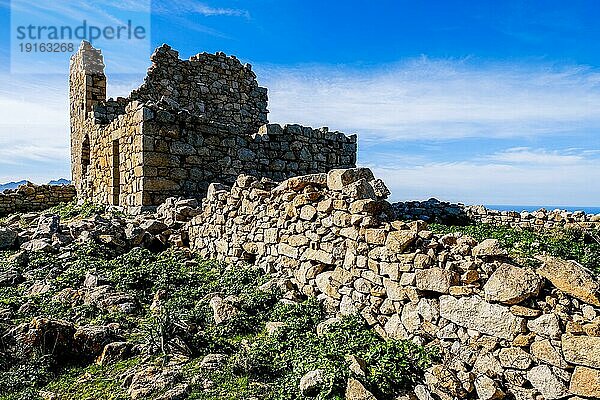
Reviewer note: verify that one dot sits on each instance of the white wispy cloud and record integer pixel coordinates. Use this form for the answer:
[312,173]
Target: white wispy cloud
[525,155]
[429,99]
[514,176]
[197,7]
[17,153]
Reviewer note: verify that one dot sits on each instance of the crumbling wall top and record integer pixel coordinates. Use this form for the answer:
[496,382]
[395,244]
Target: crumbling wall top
[214,85]
[88,59]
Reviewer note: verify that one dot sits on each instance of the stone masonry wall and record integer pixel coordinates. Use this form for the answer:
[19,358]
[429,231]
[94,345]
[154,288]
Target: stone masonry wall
[433,210]
[32,197]
[182,154]
[503,330]
[106,136]
[191,123]
[536,219]
[217,86]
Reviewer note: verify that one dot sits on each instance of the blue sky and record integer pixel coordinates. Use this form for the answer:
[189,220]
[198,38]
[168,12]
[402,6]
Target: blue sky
[480,102]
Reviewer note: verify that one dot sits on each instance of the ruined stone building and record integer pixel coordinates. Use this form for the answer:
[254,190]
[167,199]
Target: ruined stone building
[192,122]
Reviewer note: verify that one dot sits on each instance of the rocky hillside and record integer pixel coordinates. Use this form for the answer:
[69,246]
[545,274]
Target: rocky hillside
[95,304]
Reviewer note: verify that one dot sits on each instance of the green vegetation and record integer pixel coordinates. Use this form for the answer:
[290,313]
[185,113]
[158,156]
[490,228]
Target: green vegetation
[524,244]
[73,210]
[181,324]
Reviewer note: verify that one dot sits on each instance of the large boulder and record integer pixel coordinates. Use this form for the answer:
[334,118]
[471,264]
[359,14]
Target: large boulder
[477,314]
[7,238]
[511,285]
[571,278]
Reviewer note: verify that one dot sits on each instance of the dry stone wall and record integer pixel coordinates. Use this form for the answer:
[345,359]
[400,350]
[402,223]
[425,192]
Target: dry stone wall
[536,219]
[32,197]
[433,210]
[503,330]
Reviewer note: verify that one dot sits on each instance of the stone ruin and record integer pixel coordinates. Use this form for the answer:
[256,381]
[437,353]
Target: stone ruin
[503,330]
[192,122]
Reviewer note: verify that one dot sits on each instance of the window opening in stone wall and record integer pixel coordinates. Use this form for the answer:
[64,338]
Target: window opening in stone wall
[85,155]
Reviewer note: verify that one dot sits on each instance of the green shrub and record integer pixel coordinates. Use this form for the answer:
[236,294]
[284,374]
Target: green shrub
[73,210]
[525,244]
[282,358]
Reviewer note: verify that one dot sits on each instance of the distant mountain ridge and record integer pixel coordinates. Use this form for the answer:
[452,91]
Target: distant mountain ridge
[61,181]
[11,185]
[14,185]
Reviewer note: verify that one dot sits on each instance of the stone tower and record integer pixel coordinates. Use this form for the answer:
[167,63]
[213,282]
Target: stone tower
[87,87]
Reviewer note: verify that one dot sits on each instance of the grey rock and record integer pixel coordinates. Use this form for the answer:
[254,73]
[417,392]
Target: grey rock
[222,311]
[435,279]
[477,314]
[312,382]
[547,325]
[489,248]
[487,388]
[549,385]
[511,285]
[213,361]
[7,238]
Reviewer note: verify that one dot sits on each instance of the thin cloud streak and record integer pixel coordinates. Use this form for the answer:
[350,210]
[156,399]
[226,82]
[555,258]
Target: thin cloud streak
[427,99]
[197,7]
[534,177]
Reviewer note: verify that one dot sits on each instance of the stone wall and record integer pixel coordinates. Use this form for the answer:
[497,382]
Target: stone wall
[536,219]
[503,330]
[106,136]
[433,210]
[183,154]
[215,85]
[191,123]
[32,197]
